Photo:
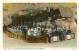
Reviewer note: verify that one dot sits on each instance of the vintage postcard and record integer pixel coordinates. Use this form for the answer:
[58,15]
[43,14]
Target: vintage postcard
[36,26]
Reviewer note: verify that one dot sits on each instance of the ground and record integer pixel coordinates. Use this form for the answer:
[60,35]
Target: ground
[17,43]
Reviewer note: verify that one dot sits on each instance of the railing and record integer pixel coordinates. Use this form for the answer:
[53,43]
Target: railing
[37,39]
[29,39]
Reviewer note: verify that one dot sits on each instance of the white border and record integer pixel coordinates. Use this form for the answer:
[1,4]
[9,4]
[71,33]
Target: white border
[1,30]
[35,1]
[39,1]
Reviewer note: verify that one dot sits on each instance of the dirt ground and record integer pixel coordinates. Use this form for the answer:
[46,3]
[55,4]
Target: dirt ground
[17,43]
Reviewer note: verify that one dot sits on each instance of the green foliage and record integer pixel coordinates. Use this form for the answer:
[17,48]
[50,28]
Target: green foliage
[8,21]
